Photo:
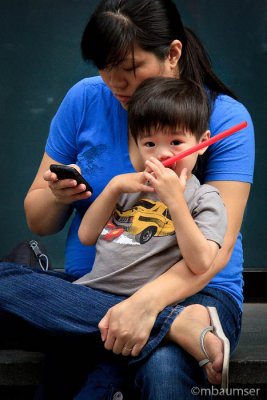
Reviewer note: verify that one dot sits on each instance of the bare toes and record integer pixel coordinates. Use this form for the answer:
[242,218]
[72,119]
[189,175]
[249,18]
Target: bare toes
[214,348]
[213,376]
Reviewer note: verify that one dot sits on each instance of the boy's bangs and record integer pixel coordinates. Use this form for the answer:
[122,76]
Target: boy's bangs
[165,117]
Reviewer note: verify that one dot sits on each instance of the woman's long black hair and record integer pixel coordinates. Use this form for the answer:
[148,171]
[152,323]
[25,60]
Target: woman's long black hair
[117,25]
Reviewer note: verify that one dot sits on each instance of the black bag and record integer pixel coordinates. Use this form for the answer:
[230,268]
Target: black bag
[30,253]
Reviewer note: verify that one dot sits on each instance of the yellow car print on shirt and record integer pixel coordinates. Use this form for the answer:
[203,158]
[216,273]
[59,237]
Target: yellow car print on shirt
[145,220]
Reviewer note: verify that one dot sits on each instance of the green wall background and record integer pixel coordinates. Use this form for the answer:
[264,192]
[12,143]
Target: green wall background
[40,60]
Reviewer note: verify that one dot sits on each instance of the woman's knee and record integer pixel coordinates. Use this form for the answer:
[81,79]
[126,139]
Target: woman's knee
[194,311]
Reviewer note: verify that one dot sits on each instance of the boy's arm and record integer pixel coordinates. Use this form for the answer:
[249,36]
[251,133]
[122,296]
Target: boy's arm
[98,214]
[198,252]
[138,312]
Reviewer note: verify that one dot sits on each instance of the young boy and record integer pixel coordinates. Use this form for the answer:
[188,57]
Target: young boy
[143,223]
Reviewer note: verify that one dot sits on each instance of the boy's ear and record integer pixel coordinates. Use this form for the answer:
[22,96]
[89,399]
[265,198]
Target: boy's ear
[205,136]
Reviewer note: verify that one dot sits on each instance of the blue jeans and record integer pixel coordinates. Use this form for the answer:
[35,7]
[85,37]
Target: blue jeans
[169,372]
[66,315]
[62,319]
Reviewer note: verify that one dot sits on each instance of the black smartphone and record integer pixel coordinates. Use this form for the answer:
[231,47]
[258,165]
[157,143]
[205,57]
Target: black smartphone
[67,172]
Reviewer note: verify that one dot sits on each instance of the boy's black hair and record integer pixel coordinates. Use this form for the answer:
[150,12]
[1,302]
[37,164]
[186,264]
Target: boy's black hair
[168,104]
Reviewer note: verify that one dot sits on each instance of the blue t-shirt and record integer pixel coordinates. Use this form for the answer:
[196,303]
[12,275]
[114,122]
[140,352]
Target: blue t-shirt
[90,129]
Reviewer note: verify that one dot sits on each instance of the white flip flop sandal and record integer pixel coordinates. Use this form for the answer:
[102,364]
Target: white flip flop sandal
[216,329]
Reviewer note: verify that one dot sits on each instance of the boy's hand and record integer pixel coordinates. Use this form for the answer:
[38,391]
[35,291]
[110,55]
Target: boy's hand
[130,183]
[164,180]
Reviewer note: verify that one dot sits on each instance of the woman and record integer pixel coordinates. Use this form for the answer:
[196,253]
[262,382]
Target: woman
[130,41]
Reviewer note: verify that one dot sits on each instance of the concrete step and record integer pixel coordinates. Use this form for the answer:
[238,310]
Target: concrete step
[249,361]
[20,367]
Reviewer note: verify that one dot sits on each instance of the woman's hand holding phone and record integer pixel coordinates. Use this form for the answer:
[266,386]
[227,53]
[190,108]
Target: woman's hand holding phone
[69,172]
[65,183]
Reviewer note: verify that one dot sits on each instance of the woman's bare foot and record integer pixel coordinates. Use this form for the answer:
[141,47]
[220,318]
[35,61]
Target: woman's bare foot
[186,330]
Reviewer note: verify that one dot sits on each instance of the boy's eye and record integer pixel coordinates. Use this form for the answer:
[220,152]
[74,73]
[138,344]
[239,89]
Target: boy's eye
[149,144]
[176,142]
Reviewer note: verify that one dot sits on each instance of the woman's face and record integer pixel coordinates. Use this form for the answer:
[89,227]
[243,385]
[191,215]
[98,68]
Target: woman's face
[123,79]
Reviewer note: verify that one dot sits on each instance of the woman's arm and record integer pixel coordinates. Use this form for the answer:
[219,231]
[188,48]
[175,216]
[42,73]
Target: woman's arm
[48,201]
[132,320]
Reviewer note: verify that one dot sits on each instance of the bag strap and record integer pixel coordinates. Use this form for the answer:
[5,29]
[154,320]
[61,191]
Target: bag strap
[41,257]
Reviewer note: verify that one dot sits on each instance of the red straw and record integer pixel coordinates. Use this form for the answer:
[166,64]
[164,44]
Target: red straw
[204,144]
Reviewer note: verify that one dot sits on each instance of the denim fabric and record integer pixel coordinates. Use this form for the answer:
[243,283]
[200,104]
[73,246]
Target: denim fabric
[67,315]
[108,381]
[60,308]
[169,372]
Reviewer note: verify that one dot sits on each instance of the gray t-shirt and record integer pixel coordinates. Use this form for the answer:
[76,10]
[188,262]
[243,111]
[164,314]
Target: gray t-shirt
[139,243]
